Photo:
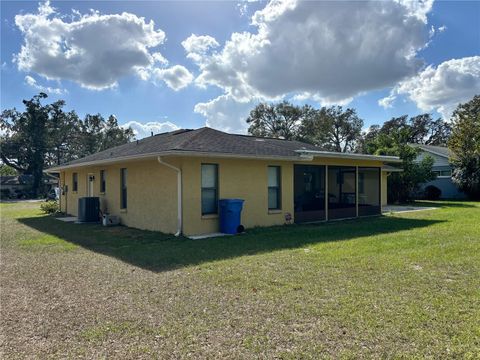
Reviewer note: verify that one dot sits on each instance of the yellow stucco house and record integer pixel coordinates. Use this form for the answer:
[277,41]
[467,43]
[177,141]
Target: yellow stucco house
[172,182]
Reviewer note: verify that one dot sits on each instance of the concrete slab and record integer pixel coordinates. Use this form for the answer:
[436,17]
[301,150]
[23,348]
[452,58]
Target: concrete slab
[206,236]
[406,208]
[68,219]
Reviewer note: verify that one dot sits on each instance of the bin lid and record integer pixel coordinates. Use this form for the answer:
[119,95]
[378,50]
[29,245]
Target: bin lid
[226,201]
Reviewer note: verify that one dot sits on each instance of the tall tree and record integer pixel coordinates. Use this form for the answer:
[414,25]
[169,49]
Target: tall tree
[333,129]
[96,134]
[114,135]
[45,135]
[24,144]
[465,145]
[280,120]
[393,138]
[63,132]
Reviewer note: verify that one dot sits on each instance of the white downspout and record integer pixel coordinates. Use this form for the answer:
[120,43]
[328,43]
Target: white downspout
[179,194]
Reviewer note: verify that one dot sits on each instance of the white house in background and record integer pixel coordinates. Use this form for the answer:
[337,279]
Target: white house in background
[442,168]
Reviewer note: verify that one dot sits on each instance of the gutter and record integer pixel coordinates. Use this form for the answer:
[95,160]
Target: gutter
[56,169]
[351,156]
[179,193]
[303,155]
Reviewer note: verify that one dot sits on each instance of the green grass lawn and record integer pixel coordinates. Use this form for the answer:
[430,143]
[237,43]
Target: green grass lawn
[398,286]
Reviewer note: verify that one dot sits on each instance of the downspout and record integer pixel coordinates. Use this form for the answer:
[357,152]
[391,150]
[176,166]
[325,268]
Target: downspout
[179,194]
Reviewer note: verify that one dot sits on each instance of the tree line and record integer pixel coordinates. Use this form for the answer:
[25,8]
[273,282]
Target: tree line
[44,135]
[41,136]
[337,129]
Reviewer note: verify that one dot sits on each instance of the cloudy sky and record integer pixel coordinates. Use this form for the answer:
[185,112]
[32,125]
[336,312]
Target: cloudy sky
[164,65]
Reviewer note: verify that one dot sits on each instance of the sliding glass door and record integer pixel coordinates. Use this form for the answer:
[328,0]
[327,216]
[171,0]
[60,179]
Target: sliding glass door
[309,193]
[341,192]
[368,191]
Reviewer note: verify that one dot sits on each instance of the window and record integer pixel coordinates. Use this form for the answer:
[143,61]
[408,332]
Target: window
[103,184]
[209,189]
[74,182]
[123,188]
[274,189]
[443,173]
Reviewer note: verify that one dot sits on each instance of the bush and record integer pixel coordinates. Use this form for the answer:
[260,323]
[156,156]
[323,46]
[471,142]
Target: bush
[5,194]
[432,193]
[49,207]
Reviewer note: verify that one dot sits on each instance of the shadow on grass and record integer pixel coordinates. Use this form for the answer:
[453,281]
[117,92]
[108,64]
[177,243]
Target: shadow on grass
[160,252]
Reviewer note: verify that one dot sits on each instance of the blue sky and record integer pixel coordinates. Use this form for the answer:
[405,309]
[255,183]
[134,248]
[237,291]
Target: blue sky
[418,57]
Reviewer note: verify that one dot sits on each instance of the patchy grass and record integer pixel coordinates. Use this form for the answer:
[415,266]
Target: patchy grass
[405,285]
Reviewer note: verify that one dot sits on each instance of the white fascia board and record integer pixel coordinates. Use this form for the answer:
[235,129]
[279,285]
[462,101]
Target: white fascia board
[351,156]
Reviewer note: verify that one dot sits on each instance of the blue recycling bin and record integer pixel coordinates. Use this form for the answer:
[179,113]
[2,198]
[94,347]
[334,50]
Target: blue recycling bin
[230,215]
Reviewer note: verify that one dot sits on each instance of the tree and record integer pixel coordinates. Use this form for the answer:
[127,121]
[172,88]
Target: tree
[465,146]
[420,129]
[114,135]
[333,129]
[96,134]
[403,186]
[63,132]
[280,120]
[24,144]
[6,170]
[393,138]
[45,135]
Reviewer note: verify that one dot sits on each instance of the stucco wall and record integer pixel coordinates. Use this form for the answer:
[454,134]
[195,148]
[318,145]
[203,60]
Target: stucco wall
[244,179]
[152,191]
[151,194]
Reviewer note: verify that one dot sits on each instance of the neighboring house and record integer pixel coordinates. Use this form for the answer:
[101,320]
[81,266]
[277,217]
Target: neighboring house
[19,186]
[13,186]
[443,170]
[172,182]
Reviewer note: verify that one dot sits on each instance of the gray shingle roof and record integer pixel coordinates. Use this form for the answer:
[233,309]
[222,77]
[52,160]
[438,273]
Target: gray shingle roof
[439,150]
[200,140]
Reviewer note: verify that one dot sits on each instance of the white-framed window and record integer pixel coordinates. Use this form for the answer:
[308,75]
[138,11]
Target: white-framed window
[274,188]
[75,181]
[103,181]
[123,188]
[209,189]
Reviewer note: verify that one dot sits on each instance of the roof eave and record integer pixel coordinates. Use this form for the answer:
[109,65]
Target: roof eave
[301,157]
[56,169]
[334,155]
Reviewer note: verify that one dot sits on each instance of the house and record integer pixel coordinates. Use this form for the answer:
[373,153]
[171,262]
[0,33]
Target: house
[19,186]
[171,182]
[442,168]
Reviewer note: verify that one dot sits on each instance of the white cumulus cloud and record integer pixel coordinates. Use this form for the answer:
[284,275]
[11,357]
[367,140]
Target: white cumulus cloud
[197,46]
[226,114]
[142,130]
[328,51]
[93,50]
[335,50]
[177,77]
[441,88]
[46,89]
